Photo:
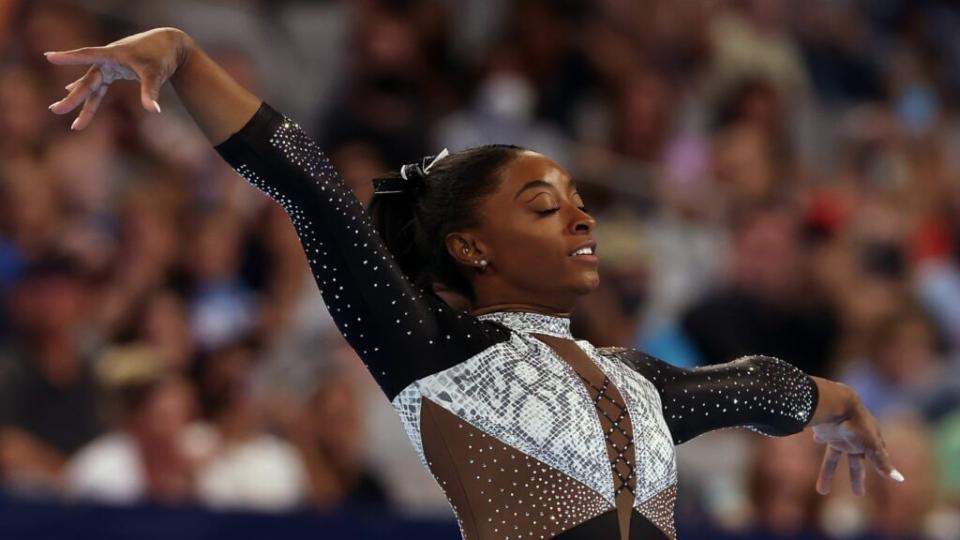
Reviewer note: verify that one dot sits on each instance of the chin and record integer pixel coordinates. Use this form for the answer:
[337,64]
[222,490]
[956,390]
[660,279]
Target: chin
[589,283]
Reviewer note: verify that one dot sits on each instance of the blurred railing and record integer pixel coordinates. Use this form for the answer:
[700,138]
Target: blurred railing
[27,519]
[46,520]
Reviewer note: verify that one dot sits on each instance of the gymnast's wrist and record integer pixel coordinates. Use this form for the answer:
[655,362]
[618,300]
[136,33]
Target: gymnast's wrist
[838,403]
[852,404]
[186,47]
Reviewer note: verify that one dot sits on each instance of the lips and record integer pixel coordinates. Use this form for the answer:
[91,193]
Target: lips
[590,248]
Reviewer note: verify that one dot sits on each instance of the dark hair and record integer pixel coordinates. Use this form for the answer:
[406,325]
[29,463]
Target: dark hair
[414,223]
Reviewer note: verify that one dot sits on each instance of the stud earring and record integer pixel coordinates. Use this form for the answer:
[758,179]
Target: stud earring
[483,264]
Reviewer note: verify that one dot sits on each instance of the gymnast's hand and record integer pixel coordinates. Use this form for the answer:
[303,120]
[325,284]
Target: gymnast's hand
[150,57]
[847,427]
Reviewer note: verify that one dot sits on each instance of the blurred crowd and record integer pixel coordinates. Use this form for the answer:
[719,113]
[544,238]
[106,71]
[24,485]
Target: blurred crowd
[769,176]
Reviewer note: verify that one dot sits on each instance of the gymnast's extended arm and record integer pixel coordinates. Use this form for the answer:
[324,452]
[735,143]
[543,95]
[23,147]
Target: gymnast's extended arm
[399,330]
[773,397]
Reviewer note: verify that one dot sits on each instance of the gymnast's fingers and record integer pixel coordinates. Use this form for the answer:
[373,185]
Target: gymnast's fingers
[90,108]
[830,460]
[149,89]
[85,87]
[857,474]
[85,55]
[881,461]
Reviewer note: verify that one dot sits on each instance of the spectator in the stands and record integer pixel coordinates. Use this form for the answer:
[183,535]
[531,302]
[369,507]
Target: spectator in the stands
[48,393]
[767,303]
[147,455]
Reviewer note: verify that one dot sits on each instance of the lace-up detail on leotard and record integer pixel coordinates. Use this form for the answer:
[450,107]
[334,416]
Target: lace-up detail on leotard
[619,439]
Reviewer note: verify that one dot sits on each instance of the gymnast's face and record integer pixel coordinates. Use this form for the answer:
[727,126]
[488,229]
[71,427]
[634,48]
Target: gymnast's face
[533,232]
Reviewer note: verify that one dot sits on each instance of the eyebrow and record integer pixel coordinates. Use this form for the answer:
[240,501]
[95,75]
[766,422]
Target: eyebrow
[537,183]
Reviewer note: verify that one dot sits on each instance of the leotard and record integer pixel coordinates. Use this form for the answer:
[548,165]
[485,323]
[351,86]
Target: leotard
[530,432]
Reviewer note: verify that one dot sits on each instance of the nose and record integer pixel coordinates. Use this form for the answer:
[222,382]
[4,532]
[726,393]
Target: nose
[582,223]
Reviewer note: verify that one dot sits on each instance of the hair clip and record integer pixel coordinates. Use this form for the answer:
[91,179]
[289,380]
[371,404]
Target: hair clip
[411,175]
[385,186]
[443,153]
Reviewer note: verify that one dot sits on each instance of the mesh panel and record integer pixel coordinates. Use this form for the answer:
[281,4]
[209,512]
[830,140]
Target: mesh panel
[497,491]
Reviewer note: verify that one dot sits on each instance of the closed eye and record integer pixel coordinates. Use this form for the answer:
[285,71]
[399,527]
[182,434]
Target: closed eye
[549,211]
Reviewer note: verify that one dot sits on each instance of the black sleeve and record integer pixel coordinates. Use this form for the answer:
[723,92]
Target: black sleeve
[762,393]
[401,332]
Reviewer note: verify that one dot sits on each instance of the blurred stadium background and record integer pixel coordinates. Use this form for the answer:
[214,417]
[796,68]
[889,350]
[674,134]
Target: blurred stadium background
[776,177]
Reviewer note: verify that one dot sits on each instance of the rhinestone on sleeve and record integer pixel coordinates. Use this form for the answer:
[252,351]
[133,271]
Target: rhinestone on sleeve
[400,331]
[762,393]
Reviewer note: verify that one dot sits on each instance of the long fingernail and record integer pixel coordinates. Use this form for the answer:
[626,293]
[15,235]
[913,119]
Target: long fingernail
[48,53]
[73,126]
[52,105]
[156,105]
[895,474]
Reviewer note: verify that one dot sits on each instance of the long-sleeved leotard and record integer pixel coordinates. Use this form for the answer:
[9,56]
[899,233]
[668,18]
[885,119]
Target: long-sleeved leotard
[530,432]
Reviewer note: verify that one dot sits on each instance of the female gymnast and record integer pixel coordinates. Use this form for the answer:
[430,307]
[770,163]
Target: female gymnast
[530,432]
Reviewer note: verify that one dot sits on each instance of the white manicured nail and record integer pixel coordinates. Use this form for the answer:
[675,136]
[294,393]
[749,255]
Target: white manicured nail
[896,475]
[76,121]
[156,105]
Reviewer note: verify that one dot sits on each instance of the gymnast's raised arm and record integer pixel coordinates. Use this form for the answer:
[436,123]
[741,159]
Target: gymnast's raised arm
[399,330]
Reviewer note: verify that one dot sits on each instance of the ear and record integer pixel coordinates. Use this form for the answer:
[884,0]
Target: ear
[466,248]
